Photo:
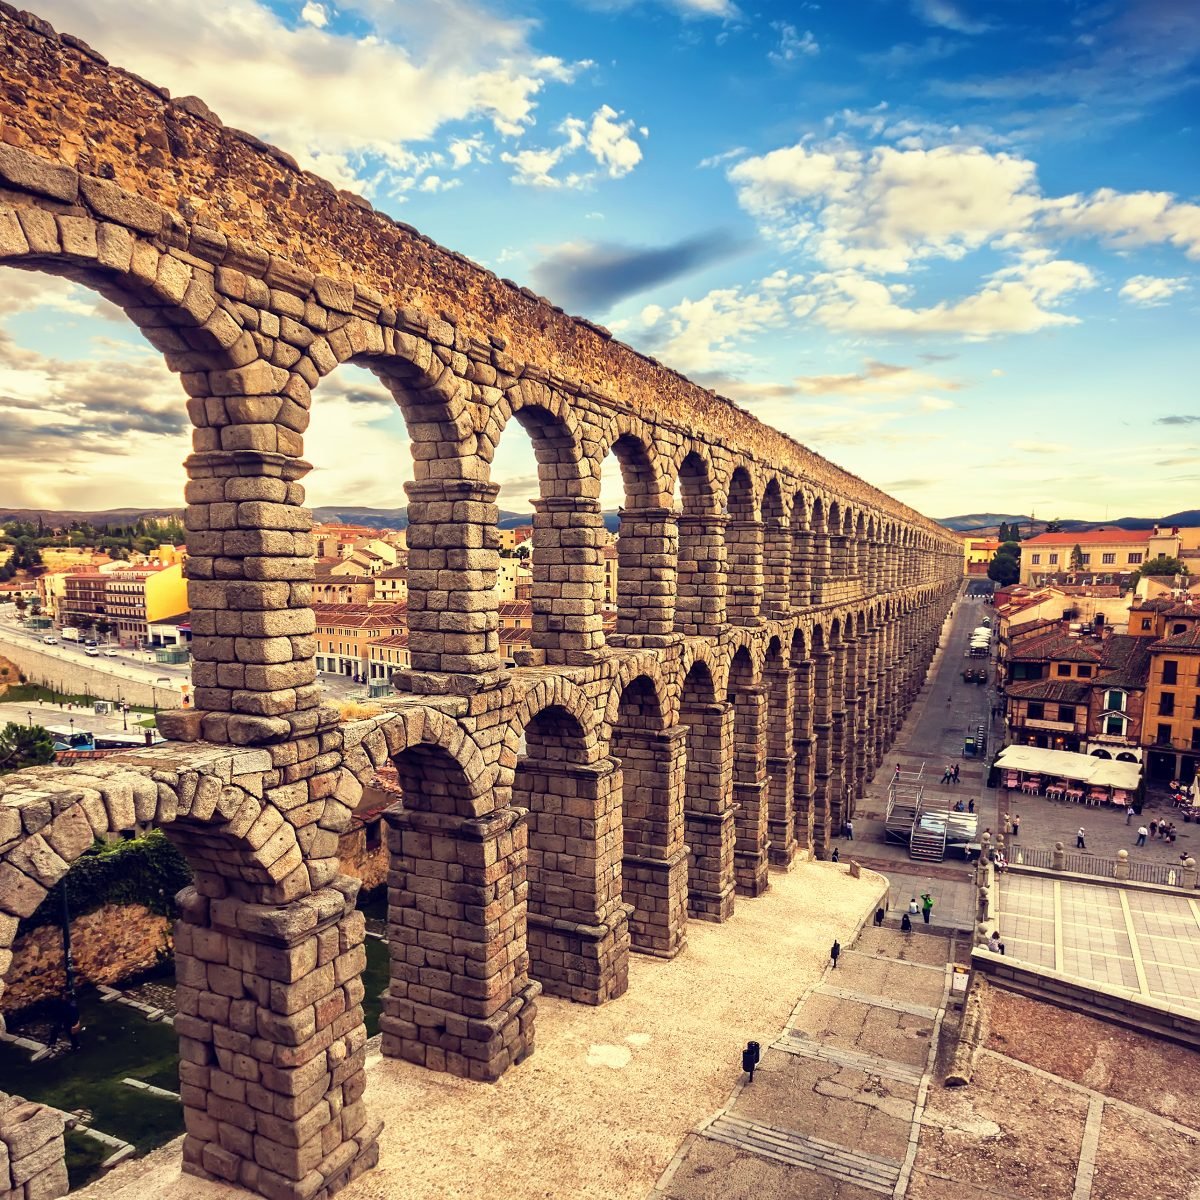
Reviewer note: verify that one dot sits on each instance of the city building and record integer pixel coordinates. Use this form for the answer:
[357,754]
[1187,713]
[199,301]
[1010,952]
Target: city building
[345,631]
[329,587]
[978,552]
[1171,728]
[391,586]
[127,599]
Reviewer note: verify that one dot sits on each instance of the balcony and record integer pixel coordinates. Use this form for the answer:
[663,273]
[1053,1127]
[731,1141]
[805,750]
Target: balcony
[1052,726]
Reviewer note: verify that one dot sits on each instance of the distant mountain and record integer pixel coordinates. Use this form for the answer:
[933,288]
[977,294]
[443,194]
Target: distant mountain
[989,523]
[980,522]
[109,516]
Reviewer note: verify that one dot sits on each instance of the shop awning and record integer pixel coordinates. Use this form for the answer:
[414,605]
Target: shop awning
[1065,764]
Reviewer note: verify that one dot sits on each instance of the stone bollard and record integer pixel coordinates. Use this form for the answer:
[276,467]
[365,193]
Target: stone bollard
[855,869]
[983,904]
[982,933]
[1188,879]
[1058,858]
[1121,869]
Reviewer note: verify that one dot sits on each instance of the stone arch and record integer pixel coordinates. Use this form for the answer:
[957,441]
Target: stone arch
[549,691]
[744,550]
[651,755]
[260,947]
[801,581]
[712,655]
[700,565]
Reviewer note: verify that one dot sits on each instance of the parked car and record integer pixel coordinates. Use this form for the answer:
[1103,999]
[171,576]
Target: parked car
[50,641]
[111,652]
[91,652]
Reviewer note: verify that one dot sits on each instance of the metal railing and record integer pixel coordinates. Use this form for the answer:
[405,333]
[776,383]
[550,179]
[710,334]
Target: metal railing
[1040,858]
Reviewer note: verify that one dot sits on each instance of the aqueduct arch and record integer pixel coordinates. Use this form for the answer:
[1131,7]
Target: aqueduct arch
[778,618]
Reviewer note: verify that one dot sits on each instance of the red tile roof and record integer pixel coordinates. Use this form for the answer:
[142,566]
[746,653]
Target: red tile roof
[1090,537]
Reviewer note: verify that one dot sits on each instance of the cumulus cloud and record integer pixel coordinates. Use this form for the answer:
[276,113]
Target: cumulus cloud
[593,276]
[793,45]
[607,139]
[947,15]
[876,379]
[333,100]
[1149,291]
[1131,219]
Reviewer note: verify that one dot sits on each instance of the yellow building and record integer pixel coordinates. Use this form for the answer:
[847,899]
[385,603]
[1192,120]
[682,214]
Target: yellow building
[346,631]
[391,586]
[1047,556]
[978,552]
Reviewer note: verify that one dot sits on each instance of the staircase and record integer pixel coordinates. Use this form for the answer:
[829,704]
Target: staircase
[904,802]
[928,839]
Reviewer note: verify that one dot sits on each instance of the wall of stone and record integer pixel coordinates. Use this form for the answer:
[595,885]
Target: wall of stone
[107,946]
[81,678]
[32,1155]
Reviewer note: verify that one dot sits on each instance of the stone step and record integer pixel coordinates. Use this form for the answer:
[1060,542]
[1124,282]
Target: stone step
[813,1154]
[876,1001]
[794,1042]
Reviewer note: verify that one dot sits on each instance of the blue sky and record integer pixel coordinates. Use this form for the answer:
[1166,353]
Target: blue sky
[951,245]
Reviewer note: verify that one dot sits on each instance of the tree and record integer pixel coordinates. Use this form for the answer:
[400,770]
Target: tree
[1004,570]
[24,746]
[1077,557]
[21,605]
[1054,526]
[1004,534]
[1162,565]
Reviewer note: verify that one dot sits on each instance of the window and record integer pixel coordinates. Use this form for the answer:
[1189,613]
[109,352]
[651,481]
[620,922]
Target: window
[1114,726]
[1163,736]
[1147,623]
[1196,739]
[1035,559]
[1036,710]
[1063,669]
[1178,627]
[1085,672]
[1170,671]
[1066,712]
[1135,558]
[1108,560]
[1115,701]
[1196,710]
[1054,560]
[1085,558]
[1166,704]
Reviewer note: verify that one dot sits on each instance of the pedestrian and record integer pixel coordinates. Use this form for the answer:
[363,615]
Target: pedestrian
[1141,835]
[1129,814]
[1153,828]
[1171,834]
[913,907]
[896,777]
[1080,844]
[905,923]
[926,906]
[835,856]
[1162,831]
[848,830]
[995,945]
[879,915]
[834,951]
[947,701]
[947,774]
[1016,825]
[971,805]
[1007,824]
[956,772]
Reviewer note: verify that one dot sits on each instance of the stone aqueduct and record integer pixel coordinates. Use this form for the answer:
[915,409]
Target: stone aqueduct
[776,617]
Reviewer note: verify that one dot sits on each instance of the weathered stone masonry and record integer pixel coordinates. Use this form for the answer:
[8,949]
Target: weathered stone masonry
[775,619]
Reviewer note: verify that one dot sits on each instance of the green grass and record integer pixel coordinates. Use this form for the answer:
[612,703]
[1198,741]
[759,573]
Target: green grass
[375,980]
[30,693]
[84,1156]
[116,1042]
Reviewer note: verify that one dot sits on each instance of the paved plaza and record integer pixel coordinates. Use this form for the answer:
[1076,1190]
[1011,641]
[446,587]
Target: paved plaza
[1143,941]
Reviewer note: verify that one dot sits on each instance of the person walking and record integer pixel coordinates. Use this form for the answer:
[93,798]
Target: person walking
[1016,825]
[834,951]
[1129,814]
[848,830]
[926,906]
[1153,828]
[1007,823]
[879,915]
[956,772]
[1080,844]
[1141,835]
[971,805]
[947,773]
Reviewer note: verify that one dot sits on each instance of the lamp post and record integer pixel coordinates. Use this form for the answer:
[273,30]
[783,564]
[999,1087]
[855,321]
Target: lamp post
[29,717]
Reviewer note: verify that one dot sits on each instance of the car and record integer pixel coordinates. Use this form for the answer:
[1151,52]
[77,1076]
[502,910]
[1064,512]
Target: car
[110,652]
[91,652]
[50,641]
[90,642]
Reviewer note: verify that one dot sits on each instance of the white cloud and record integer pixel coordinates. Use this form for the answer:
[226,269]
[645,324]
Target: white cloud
[696,336]
[877,380]
[435,183]
[605,138]
[689,9]
[314,14]
[715,160]
[931,404]
[793,45]
[1129,219]
[1149,290]
[466,150]
[331,99]
[947,15]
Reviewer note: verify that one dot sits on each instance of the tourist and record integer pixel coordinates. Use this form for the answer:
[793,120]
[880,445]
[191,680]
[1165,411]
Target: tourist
[913,907]
[1016,825]
[947,773]
[1080,844]
[834,951]
[971,805]
[848,830]
[1129,814]
[1162,831]
[905,923]
[956,772]
[1171,834]
[835,856]
[879,915]
[1153,828]
[1141,835]
[1007,824]
[896,777]
[959,806]
[926,906]
[995,945]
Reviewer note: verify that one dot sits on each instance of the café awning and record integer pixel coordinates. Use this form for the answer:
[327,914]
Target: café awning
[1065,764]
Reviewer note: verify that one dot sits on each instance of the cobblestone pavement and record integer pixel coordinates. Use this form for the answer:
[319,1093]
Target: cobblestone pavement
[834,1110]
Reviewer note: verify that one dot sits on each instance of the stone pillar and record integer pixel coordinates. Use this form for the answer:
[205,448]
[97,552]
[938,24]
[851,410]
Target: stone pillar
[744,588]
[249,571]
[459,999]
[751,847]
[272,1042]
[781,769]
[802,565]
[568,581]
[823,756]
[32,1152]
[655,862]
[802,752]
[647,553]
[452,563]
[708,810]
[822,564]
[700,577]
[578,924]
[777,568]
[839,566]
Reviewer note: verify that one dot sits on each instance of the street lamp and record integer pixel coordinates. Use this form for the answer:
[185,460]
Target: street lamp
[29,717]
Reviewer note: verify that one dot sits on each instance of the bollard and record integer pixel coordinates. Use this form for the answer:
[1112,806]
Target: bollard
[1058,858]
[1121,869]
[750,1057]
